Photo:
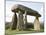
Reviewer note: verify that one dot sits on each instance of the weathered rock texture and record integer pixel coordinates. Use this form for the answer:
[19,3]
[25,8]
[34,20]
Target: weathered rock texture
[37,24]
[14,21]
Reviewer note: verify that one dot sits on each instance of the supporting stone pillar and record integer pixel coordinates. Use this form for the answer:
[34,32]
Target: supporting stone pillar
[20,21]
[25,20]
[37,24]
[14,22]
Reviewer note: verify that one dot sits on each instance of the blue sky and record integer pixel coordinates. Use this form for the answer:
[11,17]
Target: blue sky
[35,6]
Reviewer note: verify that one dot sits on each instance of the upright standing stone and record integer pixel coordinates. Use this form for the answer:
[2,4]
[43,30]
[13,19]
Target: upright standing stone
[25,19]
[14,21]
[37,24]
[20,21]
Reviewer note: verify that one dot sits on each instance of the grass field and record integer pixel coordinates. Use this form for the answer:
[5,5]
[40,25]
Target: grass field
[30,29]
[14,32]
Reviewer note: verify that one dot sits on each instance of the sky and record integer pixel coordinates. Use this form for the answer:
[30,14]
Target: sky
[33,5]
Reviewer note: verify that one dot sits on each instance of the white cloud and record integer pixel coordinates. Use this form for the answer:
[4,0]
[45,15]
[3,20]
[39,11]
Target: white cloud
[30,19]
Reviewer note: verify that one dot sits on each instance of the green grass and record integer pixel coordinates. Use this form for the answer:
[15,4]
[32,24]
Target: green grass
[14,32]
[10,32]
